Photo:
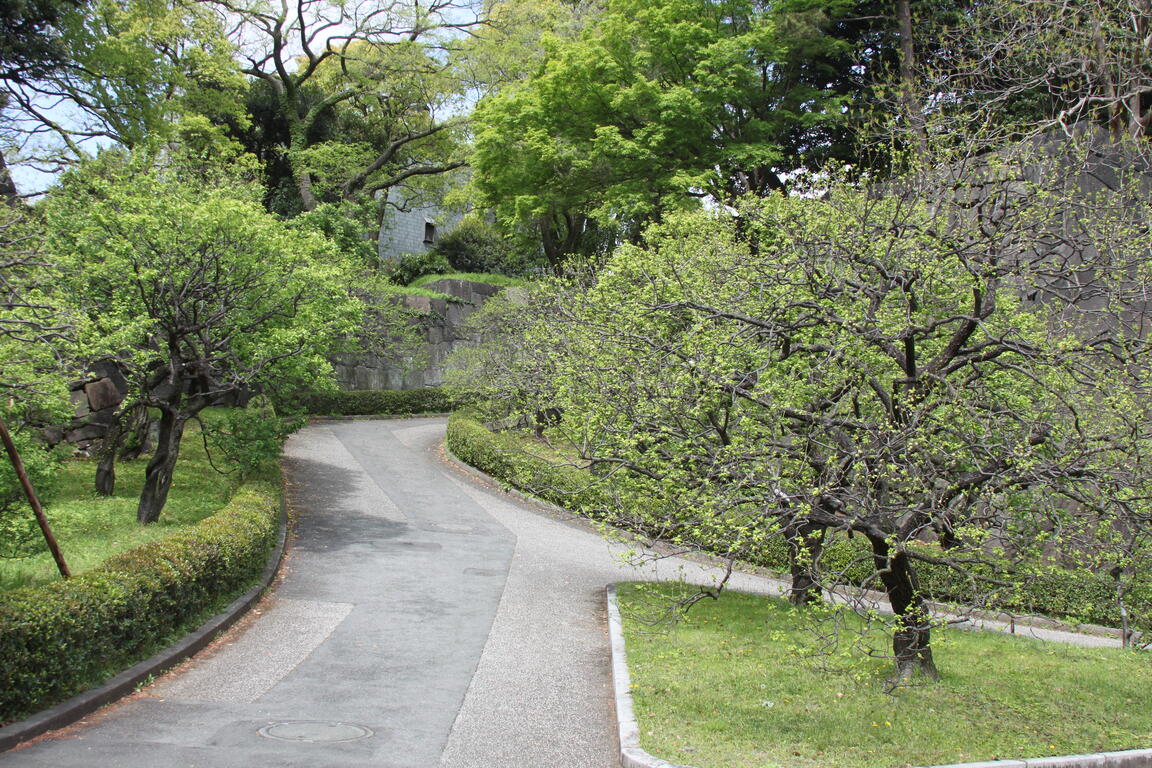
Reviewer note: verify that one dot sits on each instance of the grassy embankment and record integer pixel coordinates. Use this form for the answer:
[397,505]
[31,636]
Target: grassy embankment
[735,685]
[92,528]
[489,278]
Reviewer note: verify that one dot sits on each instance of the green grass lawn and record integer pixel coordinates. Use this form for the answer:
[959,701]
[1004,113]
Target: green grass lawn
[91,528]
[734,685]
[475,277]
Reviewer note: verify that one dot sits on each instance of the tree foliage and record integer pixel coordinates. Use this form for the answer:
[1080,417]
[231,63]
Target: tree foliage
[655,106]
[129,72]
[196,293]
[951,367]
[350,95]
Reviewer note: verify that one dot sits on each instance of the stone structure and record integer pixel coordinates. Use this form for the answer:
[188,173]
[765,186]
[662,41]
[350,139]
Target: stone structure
[415,230]
[440,322]
[95,401]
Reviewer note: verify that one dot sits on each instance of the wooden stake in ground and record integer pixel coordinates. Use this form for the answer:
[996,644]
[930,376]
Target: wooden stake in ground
[30,492]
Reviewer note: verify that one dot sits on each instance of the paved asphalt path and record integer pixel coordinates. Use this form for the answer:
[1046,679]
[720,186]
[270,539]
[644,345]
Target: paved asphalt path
[423,620]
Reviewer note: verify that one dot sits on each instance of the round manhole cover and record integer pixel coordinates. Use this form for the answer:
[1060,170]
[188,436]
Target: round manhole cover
[315,730]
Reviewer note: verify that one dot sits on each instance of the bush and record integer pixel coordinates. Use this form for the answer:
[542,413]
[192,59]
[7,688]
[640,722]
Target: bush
[414,265]
[369,402]
[502,457]
[248,438]
[477,246]
[61,638]
[1077,595]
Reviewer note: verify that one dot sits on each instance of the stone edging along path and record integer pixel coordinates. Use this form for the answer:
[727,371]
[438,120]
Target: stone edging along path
[83,704]
[633,756]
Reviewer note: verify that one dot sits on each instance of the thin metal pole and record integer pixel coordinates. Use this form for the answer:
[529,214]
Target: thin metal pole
[30,492]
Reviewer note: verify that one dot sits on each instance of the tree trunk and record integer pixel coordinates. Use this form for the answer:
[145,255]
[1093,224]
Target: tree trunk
[109,446]
[912,109]
[298,142]
[158,475]
[558,250]
[804,545]
[8,192]
[911,642]
[139,427]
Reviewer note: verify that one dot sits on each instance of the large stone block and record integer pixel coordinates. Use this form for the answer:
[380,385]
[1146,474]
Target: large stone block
[103,393]
[79,403]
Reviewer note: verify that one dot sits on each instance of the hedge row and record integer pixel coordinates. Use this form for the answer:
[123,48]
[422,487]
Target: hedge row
[368,402]
[64,637]
[1078,595]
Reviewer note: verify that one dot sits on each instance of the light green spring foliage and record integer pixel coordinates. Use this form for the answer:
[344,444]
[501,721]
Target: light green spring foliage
[32,388]
[652,105]
[163,270]
[380,94]
[507,365]
[872,362]
[150,70]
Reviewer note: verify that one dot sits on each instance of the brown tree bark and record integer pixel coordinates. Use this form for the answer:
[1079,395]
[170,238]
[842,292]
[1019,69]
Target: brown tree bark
[804,545]
[109,446]
[912,108]
[911,642]
[158,475]
[8,191]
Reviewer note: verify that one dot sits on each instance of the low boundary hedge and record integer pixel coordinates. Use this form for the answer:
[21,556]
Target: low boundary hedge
[64,637]
[1080,596]
[368,402]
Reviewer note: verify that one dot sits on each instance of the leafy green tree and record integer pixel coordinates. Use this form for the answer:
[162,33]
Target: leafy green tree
[352,95]
[196,293]
[656,106]
[29,48]
[908,367]
[32,392]
[129,71]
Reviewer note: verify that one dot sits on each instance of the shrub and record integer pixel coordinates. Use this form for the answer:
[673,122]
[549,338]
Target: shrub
[248,438]
[413,265]
[63,637]
[1077,595]
[477,246]
[502,457]
[369,402]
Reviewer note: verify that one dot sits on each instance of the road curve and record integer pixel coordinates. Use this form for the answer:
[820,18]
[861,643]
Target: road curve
[422,620]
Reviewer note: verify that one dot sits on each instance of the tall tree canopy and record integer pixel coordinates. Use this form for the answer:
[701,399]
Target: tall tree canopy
[130,71]
[353,95]
[657,105]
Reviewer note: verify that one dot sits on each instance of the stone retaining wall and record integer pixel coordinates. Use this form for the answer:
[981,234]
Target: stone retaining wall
[440,322]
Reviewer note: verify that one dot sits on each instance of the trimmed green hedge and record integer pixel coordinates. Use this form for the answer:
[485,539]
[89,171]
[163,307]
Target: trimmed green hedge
[368,402]
[1081,596]
[502,457]
[61,638]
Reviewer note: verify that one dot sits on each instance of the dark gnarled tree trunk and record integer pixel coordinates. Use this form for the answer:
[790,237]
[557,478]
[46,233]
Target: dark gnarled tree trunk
[804,545]
[158,475]
[911,642]
[106,467]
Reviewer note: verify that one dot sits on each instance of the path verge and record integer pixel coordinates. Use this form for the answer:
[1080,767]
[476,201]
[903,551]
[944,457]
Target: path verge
[83,704]
[633,756]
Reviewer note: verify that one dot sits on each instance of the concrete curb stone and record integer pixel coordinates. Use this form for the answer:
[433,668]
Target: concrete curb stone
[82,704]
[631,755]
